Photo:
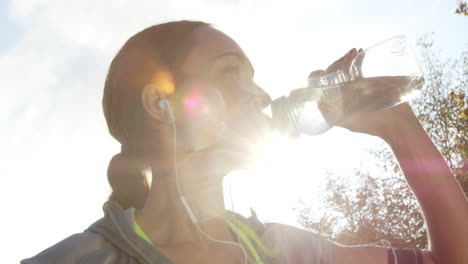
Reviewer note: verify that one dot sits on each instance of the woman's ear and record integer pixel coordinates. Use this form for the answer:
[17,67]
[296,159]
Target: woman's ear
[151,98]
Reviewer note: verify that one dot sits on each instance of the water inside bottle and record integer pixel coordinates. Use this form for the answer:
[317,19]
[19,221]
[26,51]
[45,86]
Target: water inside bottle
[318,108]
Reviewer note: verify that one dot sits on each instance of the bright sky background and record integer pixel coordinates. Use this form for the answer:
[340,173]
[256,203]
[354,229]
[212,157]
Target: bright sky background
[54,55]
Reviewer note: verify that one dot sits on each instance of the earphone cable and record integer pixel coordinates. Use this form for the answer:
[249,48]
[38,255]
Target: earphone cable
[183,200]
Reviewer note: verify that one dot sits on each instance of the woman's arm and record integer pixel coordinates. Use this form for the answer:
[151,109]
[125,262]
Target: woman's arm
[441,199]
[443,203]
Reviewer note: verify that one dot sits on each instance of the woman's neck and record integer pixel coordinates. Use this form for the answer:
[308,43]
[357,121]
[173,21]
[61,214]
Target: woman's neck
[166,221]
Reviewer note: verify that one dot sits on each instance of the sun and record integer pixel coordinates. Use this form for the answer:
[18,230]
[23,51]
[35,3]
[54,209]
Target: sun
[285,171]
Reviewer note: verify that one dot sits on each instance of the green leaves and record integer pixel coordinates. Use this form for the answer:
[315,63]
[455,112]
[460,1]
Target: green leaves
[375,208]
[462,8]
[441,108]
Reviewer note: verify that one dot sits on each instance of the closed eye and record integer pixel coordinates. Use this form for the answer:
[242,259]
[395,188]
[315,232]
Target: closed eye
[231,70]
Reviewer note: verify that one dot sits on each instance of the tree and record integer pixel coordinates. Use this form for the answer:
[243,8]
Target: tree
[376,209]
[462,8]
[383,207]
[441,106]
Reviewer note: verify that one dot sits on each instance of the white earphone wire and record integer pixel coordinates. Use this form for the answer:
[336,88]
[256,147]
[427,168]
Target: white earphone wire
[387,244]
[182,198]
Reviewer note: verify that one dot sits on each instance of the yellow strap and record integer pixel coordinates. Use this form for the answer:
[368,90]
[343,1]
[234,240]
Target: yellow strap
[139,231]
[243,237]
[242,230]
[251,234]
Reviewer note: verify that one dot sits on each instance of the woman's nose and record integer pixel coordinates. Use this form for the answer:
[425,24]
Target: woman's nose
[259,99]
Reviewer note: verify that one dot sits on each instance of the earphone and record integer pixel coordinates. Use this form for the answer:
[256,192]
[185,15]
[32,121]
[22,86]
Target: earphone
[164,104]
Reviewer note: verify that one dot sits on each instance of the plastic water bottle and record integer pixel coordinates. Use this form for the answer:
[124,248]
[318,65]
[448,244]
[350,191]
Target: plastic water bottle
[379,77]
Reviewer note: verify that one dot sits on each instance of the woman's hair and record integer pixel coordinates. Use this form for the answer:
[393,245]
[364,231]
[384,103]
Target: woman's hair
[157,49]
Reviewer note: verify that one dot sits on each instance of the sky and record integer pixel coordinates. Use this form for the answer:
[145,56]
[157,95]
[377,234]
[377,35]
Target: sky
[54,55]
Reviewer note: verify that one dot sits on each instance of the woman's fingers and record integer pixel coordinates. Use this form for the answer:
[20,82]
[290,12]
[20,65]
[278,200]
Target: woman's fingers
[317,73]
[349,57]
[344,61]
[341,63]
[351,52]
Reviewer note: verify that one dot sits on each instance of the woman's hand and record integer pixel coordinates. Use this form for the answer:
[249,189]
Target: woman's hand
[441,199]
[385,123]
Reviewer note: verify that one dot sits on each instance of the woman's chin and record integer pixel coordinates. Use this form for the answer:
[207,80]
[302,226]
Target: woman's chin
[216,161]
[228,157]
[235,150]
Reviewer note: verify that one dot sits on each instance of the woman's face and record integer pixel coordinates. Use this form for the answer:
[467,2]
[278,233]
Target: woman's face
[220,107]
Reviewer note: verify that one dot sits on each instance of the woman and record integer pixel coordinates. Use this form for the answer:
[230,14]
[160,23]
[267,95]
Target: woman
[180,99]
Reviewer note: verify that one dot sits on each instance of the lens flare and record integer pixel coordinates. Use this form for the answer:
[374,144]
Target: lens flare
[190,103]
[194,104]
[164,82]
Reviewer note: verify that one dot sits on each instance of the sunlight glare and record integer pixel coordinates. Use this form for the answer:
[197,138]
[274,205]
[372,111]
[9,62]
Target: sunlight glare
[285,171]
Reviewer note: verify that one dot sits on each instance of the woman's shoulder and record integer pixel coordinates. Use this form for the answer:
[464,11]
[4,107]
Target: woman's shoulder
[111,239]
[85,247]
[299,245]
[296,245]
[101,242]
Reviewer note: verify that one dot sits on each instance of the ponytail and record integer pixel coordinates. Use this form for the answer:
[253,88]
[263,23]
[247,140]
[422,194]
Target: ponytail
[129,180]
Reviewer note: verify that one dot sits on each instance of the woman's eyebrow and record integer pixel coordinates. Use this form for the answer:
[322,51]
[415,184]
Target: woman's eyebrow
[239,56]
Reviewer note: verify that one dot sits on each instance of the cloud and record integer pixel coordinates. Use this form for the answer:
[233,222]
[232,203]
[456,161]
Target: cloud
[53,133]
[55,145]
[52,126]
